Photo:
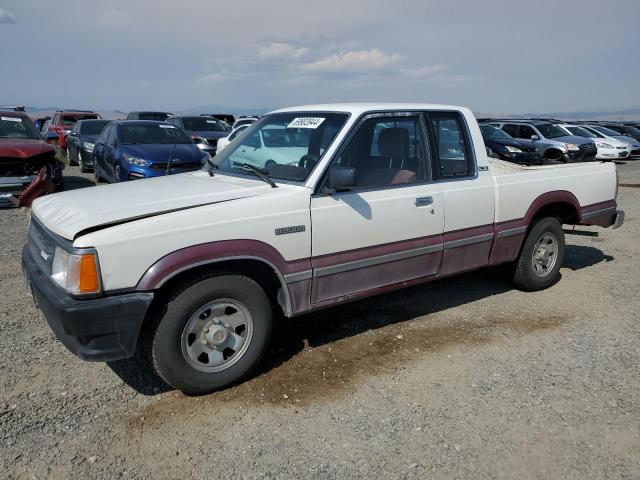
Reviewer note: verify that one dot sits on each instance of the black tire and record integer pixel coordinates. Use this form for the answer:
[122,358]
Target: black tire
[96,172]
[117,174]
[525,276]
[166,344]
[83,167]
[72,162]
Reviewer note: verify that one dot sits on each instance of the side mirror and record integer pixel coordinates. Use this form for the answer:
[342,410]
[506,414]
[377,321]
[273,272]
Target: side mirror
[342,178]
[535,137]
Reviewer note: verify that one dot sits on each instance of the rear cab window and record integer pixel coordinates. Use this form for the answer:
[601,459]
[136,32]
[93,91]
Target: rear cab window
[451,144]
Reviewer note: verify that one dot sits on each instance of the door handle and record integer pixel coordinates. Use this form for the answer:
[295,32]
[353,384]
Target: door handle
[423,201]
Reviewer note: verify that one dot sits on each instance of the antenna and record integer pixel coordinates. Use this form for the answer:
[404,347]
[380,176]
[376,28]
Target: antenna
[166,172]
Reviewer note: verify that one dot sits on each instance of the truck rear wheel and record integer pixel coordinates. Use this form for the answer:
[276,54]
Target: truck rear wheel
[213,332]
[542,255]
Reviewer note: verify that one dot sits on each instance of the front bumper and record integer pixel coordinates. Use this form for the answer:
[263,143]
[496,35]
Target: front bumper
[98,329]
[618,219]
[523,158]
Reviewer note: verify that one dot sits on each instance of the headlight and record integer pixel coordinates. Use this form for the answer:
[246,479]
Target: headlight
[198,140]
[76,273]
[603,145]
[88,146]
[572,146]
[513,149]
[138,162]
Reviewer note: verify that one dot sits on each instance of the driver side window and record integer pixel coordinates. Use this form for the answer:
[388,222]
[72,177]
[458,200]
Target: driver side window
[386,151]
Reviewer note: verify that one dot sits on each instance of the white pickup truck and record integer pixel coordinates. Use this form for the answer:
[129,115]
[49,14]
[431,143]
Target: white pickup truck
[310,207]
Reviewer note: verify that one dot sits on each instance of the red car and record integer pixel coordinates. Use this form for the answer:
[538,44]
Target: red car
[63,122]
[28,165]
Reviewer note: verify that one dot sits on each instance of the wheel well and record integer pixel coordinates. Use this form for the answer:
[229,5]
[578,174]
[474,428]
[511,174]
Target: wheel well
[262,273]
[553,153]
[563,211]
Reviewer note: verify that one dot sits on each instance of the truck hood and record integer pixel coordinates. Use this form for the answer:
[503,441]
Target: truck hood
[69,213]
[23,147]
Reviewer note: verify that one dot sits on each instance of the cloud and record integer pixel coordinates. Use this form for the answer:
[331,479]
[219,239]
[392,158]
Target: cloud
[211,78]
[425,71]
[352,61]
[281,50]
[6,16]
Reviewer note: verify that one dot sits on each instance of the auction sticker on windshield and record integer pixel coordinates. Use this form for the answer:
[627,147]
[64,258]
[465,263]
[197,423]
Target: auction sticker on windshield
[306,122]
[12,119]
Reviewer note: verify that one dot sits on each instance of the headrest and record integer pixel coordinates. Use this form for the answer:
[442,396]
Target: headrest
[394,143]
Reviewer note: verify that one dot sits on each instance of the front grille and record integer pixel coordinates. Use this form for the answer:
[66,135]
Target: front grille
[176,166]
[588,148]
[41,246]
[635,152]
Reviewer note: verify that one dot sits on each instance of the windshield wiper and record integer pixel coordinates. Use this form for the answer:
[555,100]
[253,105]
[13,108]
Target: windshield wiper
[260,172]
[211,166]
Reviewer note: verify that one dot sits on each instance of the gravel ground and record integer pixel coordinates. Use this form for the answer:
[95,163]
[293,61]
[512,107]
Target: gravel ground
[461,378]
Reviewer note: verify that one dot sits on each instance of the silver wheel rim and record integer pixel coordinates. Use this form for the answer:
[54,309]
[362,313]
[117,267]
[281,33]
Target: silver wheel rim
[217,335]
[545,254]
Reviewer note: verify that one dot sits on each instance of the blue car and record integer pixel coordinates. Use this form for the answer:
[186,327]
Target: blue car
[134,149]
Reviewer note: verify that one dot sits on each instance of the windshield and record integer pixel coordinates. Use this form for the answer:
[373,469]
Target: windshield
[71,119]
[157,116]
[17,127]
[606,131]
[549,130]
[153,133]
[284,145]
[93,127]
[204,124]
[492,133]
[633,131]
[581,132]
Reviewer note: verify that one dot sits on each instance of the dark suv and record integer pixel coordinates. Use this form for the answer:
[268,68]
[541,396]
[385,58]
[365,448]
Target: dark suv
[626,130]
[204,131]
[157,116]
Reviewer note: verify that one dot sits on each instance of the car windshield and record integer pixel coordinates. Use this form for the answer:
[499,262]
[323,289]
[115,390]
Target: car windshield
[70,120]
[284,145]
[490,132]
[633,131]
[581,132]
[157,116]
[152,133]
[204,124]
[17,127]
[93,127]
[549,130]
[606,131]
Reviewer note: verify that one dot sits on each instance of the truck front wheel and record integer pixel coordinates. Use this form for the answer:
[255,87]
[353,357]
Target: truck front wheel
[542,255]
[212,333]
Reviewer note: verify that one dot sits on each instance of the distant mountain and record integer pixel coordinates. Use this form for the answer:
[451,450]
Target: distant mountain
[40,112]
[214,108]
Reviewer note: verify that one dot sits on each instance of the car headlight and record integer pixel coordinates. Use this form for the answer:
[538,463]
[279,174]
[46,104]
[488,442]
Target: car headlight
[199,140]
[572,146]
[135,161]
[76,273]
[88,146]
[603,145]
[513,149]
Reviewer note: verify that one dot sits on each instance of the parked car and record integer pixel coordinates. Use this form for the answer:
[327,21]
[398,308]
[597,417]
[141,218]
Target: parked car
[363,210]
[28,165]
[608,133]
[552,142]
[135,149]
[625,130]
[81,140]
[505,147]
[64,120]
[245,121]
[204,131]
[225,117]
[608,149]
[158,116]
[225,141]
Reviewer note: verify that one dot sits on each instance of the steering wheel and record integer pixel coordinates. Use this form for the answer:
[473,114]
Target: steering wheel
[308,161]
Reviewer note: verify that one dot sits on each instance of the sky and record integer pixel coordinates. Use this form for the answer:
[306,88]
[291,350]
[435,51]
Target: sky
[507,56]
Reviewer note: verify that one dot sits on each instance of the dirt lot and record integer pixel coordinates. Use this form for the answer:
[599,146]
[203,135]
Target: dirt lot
[461,378]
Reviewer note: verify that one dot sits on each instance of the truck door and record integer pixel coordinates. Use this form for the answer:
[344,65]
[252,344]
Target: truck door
[463,178]
[388,228]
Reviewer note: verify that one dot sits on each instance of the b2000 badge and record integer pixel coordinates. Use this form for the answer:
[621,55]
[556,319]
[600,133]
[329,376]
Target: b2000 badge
[286,230]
